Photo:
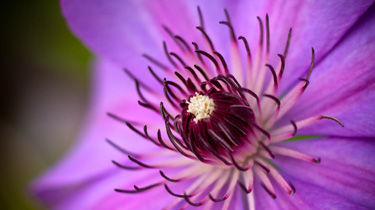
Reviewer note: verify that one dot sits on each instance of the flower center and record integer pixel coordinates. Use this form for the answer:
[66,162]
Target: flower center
[230,121]
[201,106]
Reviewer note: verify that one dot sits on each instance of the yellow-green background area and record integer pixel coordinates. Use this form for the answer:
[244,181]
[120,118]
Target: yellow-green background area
[44,87]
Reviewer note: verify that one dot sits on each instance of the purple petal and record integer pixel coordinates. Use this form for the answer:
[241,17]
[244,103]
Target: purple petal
[307,196]
[346,169]
[122,30]
[342,85]
[318,24]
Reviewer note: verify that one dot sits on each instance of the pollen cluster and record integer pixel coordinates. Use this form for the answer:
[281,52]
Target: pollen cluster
[201,107]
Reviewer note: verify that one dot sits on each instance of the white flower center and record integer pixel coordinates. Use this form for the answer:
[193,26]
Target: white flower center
[201,107]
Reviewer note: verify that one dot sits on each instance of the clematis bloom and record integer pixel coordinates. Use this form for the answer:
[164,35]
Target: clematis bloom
[223,106]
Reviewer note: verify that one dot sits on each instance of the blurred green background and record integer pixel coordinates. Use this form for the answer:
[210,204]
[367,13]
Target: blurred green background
[44,86]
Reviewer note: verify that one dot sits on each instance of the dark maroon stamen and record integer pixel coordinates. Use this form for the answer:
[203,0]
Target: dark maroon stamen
[167,178]
[268,150]
[156,62]
[282,67]
[310,69]
[171,34]
[287,43]
[126,152]
[277,101]
[268,191]
[178,58]
[200,17]
[190,202]
[218,69]
[294,127]
[268,33]
[126,167]
[236,164]
[168,55]
[180,39]
[229,24]
[202,72]
[273,74]
[261,31]
[155,75]
[244,188]
[138,189]
[223,62]
[139,162]
[217,199]
[207,38]
[265,168]
[175,194]
[246,46]
[195,49]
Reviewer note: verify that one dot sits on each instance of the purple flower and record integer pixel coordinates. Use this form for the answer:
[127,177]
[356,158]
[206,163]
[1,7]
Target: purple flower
[229,111]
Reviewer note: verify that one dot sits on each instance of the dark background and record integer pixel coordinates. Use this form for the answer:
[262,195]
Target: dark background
[44,86]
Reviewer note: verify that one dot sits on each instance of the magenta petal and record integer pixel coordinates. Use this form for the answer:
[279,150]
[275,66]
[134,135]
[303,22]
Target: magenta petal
[346,168]
[343,86]
[98,193]
[91,156]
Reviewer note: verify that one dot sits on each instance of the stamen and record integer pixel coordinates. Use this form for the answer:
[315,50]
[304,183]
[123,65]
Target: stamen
[168,55]
[229,24]
[156,62]
[261,31]
[294,154]
[170,33]
[126,167]
[236,164]
[244,188]
[175,194]
[200,17]
[191,70]
[155,75]
[202,72]
[287,43]
[277,101]
[199,55]
[167,178]
[223,62]
[137,189]
[126,152]
[191,203]
[207,38]
[217,199]
[282,67]
[268,33]
[179,38]
[246,46]
[140,163]
[333,118]
[273,74]
[139,81]
[218,69]
[178,58]
[310,70]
